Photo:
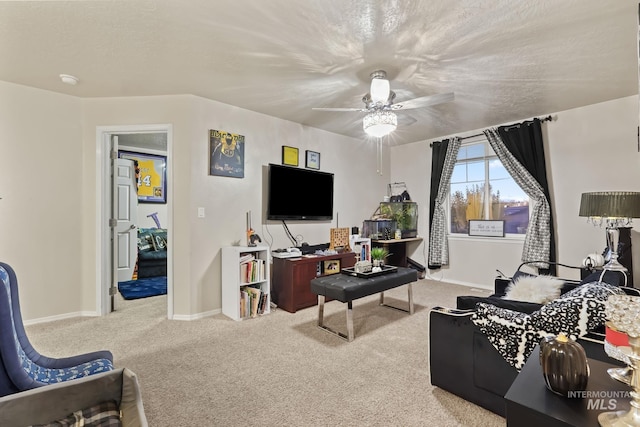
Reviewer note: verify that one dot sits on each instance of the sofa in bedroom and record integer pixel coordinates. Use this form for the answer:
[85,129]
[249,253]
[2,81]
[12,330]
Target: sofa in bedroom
[152,252]
[469,345]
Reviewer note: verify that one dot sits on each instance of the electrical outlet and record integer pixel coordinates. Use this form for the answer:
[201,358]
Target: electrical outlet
[200,212]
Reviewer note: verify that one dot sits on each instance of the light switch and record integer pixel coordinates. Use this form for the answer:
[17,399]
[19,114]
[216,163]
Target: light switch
[200,212]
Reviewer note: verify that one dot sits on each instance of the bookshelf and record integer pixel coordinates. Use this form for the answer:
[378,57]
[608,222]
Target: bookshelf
[245,281]
[361,246]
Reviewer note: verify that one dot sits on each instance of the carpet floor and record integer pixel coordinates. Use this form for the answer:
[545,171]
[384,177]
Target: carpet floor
[278,369]
[143,288]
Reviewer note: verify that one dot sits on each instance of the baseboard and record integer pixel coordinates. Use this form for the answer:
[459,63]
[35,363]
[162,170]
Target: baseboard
[60,317]
[468,284]
[196,316]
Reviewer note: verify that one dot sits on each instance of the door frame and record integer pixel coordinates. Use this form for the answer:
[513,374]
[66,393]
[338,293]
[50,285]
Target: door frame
[103,210]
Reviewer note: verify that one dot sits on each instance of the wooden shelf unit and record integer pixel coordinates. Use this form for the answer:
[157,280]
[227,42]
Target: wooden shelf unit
[291,282]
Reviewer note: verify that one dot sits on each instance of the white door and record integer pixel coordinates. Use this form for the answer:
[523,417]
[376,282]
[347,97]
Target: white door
[125,215]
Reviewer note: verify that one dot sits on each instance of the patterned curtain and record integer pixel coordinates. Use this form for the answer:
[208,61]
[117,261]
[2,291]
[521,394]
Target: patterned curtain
[443,160]
[537,241]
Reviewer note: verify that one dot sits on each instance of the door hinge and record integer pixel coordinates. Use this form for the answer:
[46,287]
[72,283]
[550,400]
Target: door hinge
[113,290]
[113,155]
[113,222]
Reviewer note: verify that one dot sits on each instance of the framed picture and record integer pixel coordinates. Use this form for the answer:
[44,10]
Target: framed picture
[151,174]
[486,227]
[226,154]
[332,266]
[289,156]
[313,160]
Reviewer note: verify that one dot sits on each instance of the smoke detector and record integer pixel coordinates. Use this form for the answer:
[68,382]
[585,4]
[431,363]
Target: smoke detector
[69,79]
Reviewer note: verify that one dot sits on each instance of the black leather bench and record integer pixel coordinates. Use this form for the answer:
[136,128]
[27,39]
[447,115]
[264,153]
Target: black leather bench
[346,288]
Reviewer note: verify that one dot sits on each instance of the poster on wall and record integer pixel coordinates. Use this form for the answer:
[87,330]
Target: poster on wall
[226,154]
[152,176]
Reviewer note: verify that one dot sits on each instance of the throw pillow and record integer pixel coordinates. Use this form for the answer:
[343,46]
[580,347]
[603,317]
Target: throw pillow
[539,289]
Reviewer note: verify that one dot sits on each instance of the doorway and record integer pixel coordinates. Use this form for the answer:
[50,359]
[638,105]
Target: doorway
[150,139]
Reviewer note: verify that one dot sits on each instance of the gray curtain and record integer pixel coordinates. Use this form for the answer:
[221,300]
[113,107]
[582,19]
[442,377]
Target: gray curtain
[537,241]
[438,246]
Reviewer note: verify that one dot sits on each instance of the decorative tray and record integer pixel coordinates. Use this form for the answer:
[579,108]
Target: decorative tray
[385,269]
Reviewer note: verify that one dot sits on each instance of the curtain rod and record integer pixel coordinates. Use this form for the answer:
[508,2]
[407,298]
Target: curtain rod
[544,119]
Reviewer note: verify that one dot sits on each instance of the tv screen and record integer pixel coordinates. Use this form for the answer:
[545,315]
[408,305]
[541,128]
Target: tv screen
[299,194]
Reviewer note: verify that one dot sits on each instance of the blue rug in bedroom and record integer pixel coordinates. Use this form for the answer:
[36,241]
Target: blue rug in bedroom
[143,288]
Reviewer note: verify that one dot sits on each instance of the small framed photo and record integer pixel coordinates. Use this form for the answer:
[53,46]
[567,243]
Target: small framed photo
[332,266]
[289,156]
[312,160]
[486,228]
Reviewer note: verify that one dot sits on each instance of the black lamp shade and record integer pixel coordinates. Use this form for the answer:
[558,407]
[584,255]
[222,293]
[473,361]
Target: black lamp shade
[610,204]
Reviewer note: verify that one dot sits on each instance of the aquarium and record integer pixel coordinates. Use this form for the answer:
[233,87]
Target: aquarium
[381,229]
[405,215]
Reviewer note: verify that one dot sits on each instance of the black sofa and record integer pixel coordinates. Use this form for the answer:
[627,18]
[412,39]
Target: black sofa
[152,252]
[464,362]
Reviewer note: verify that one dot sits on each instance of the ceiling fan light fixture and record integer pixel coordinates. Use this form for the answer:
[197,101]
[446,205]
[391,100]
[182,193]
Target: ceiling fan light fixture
[380,89]
[380,123]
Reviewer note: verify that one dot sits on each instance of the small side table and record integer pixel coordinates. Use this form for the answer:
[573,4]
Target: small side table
[530,404]
[397,249]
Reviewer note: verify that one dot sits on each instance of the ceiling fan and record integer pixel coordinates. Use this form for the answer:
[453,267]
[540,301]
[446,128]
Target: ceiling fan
[379,106]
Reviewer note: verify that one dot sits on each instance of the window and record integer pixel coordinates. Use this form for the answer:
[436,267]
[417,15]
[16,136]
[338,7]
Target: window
[481,188]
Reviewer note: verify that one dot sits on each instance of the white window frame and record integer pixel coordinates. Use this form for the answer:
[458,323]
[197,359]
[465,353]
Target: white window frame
[487,160]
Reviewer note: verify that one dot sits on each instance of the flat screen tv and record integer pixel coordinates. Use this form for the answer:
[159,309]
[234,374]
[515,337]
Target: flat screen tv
[299,194]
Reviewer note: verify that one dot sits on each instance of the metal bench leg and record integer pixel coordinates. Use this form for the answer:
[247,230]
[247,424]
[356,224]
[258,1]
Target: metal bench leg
[321,311]
[350,321]
[409,310]
[410,298]
[350,337]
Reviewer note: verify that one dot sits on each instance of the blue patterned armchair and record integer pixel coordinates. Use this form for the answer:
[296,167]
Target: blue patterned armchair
[21,366]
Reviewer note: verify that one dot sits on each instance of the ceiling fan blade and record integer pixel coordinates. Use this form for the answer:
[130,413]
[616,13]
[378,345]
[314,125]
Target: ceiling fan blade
[338,109]
[423,101]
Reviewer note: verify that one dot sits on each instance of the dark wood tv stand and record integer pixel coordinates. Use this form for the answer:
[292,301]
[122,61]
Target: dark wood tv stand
[291,279]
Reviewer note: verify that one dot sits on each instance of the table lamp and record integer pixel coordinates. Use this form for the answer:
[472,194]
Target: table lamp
[614,209]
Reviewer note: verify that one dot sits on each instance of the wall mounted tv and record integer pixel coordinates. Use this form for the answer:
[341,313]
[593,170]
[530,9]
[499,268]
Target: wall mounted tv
[299,194]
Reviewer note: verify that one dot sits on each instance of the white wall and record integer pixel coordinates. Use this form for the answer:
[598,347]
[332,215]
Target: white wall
[49,206]
[594,148]
[41,171]
[48,188]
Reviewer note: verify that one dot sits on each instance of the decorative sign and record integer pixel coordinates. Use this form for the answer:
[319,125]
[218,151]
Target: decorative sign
[289,156]
[313,160]
[486,227]
[151,171]
[226,154]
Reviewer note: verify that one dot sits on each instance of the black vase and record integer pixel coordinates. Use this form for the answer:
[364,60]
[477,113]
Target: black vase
[564,364]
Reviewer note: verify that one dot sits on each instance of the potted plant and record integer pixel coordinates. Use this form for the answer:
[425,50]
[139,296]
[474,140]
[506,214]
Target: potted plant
[378,254]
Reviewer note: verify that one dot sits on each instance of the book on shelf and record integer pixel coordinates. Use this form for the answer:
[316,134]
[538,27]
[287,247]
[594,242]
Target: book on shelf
[254,297]
[252,271]
[246,257]
[253,301]
[244,299]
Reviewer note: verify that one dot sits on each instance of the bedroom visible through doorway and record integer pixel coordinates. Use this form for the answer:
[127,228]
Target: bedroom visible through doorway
[147,147]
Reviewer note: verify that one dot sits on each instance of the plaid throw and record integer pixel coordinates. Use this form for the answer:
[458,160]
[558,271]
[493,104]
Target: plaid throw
[105,414]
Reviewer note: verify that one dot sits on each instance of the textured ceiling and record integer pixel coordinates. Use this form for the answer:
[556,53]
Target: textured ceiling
[505,60]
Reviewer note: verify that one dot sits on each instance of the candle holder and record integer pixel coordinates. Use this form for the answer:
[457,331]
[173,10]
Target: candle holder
[622,312]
